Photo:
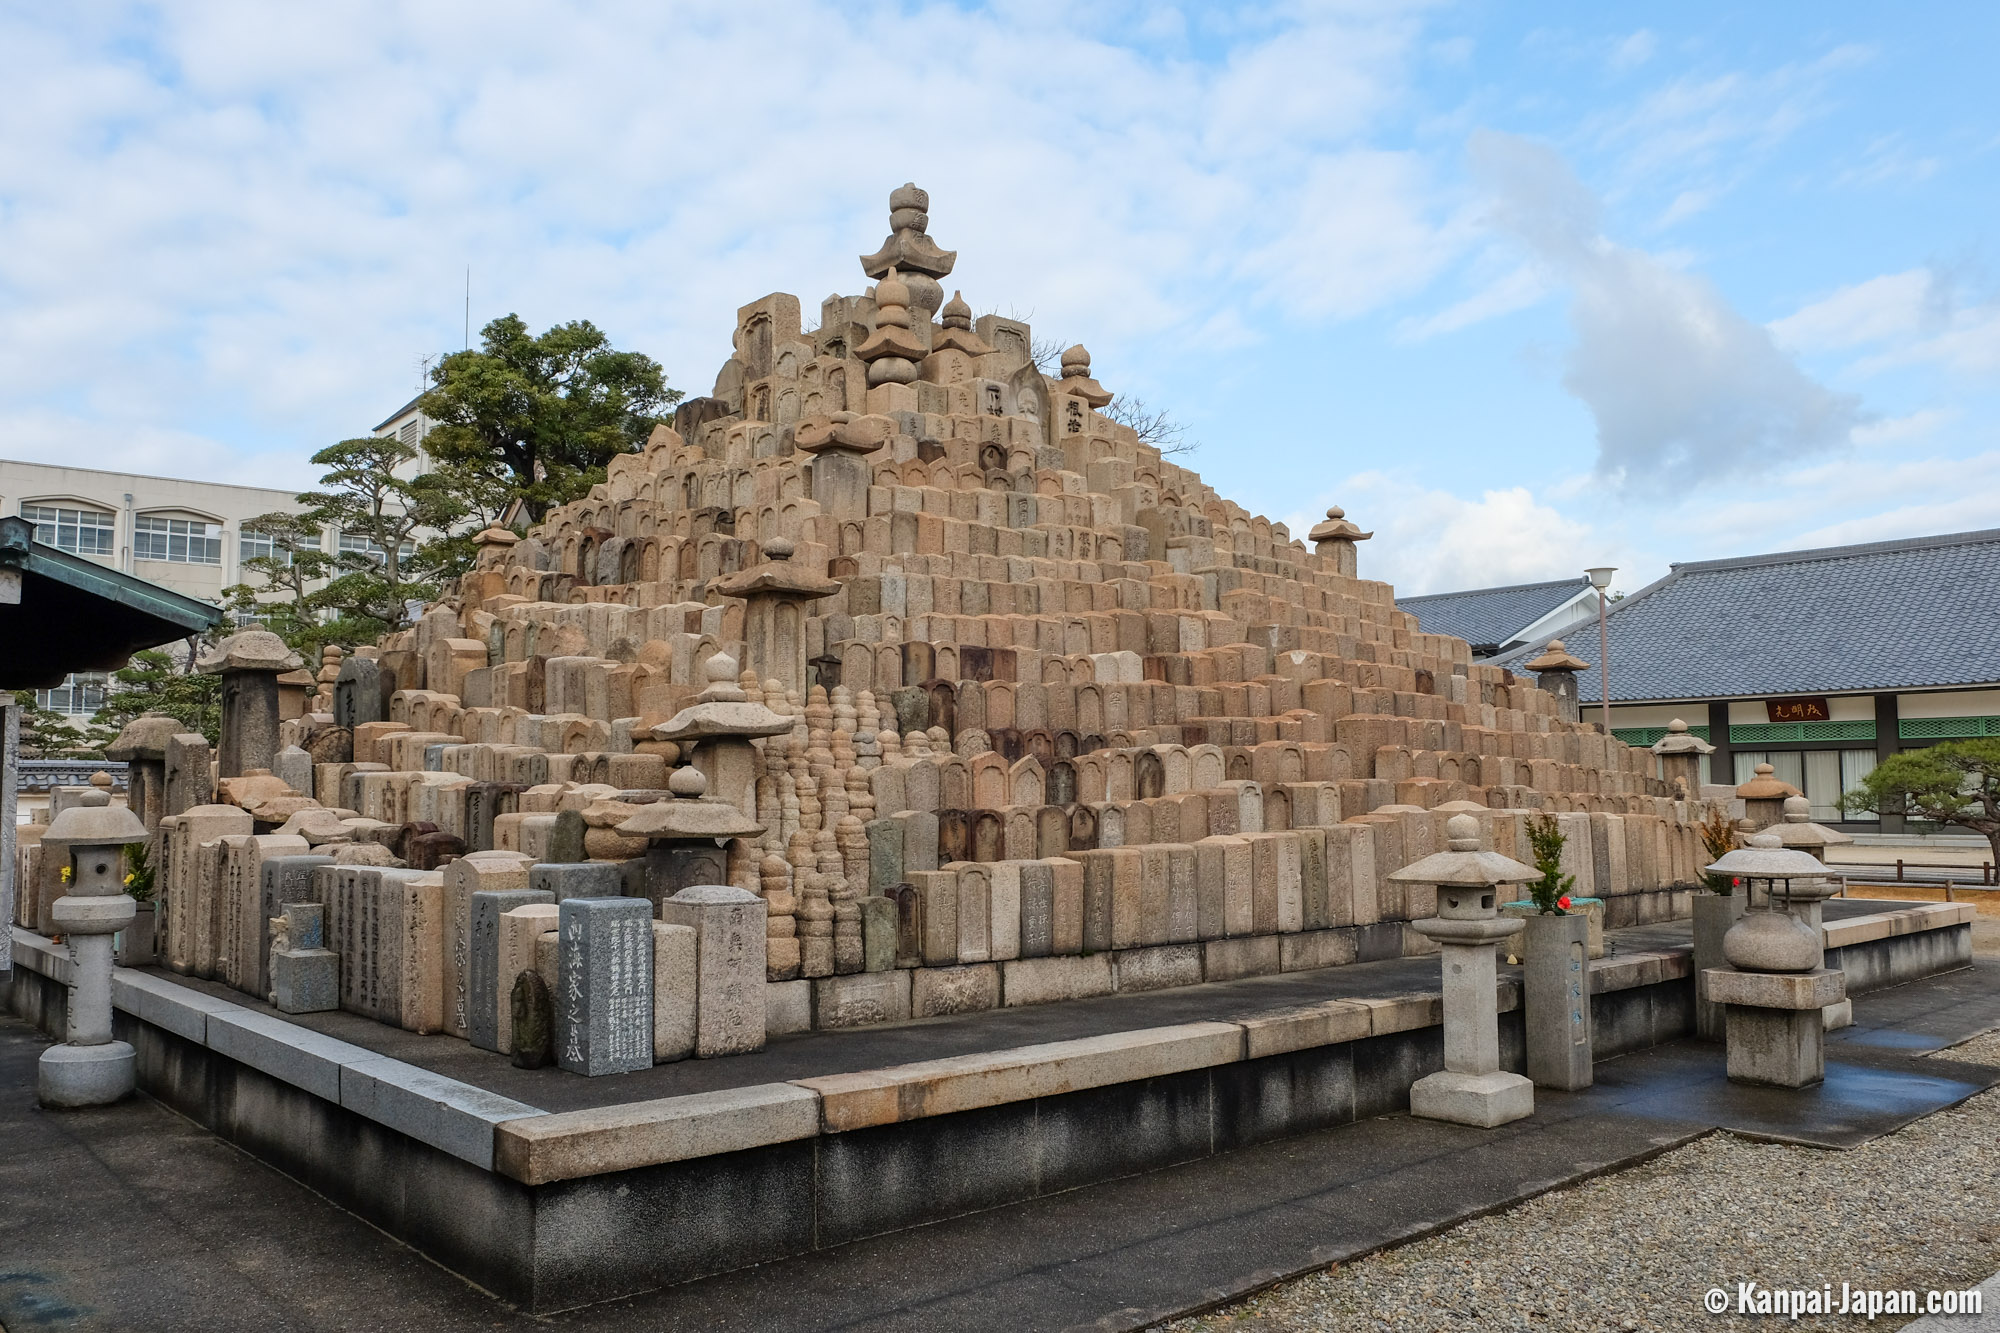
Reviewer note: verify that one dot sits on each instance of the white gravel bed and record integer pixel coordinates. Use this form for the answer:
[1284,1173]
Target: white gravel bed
[1637,1250]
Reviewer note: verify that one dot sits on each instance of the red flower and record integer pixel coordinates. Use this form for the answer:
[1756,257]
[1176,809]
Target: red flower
[1563,902]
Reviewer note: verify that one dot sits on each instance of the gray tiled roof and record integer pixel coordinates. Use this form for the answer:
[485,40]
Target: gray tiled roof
[1490,617]
[1885,616]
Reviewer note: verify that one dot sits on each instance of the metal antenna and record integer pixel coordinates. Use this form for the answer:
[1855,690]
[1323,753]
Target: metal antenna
[468,307]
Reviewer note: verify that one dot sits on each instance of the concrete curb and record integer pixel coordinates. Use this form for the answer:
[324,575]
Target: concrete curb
[530,1145]
[444,1113]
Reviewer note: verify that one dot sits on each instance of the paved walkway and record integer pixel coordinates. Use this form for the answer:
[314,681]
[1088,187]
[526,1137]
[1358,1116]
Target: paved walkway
[129,1217]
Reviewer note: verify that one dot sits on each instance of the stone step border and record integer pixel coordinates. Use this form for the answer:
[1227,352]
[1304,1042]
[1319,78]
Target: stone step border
[1907,920]
[451,1116]
[570,1144]
[536,1147]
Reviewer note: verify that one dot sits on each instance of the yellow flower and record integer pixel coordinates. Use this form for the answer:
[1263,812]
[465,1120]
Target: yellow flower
[129,877]
[65,874]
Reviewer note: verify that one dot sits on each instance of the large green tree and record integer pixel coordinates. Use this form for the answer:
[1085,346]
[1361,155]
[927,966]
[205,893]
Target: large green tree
[297,563]
[155,682]
[47,734]
[393,547]
[1956,783]
[545,413]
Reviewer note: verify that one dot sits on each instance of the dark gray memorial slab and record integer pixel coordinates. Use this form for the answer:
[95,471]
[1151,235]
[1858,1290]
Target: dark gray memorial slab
[580,879]
[604,986]
[484,986]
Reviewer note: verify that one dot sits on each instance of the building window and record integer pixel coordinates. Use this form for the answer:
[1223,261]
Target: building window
[79,695]
[1854,766]
[411,433]
[361,544]
[1822,776]
[83,531]
[259,546]
[183,541]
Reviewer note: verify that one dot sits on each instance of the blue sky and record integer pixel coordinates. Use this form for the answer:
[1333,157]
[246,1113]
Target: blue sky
[1524,288]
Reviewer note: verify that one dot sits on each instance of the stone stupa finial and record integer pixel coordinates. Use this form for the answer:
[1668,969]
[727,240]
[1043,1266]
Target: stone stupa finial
[892,351]
[1076,378]
[910,251]
[957,334]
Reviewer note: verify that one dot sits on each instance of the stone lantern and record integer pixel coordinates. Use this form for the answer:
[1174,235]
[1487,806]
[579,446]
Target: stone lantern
[1797,831]
[1555,671]
[717,729]
[841,473]
[89,1068]
[1472,1089]
[1337,537]
[774,618]
[250,663]
[1764,797]
[1680,752]
[1777,985]
[687,836]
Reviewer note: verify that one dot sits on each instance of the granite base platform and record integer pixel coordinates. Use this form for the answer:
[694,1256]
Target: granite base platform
[554,1191]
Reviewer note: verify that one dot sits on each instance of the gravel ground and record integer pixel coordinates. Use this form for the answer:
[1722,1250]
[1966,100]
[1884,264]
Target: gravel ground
[1916,1209]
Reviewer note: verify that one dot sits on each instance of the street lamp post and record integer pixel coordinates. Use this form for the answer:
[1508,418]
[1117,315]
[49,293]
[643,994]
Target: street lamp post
[1600,579]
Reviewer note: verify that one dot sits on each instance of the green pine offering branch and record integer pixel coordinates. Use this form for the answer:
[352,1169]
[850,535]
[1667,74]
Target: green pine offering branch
[1551,891]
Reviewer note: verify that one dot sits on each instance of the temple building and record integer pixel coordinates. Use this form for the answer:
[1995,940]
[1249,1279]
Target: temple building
[1820,663]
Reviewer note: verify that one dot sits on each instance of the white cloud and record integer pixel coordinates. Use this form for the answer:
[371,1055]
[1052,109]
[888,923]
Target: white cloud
[1428,540]
[1916,315]
[241,224]
[1895,430]
[1888,161]
[1886,307]
[1886,501]
[1634,50]
[1360,237]
[1517,290]
[1681,385]
[1697,135]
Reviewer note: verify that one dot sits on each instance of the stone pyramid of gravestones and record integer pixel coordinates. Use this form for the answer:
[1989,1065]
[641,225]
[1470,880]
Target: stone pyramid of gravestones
[901,633]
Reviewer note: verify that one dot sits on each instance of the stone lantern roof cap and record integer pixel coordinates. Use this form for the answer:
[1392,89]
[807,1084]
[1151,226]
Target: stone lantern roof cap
[1076,377]
[1465,864]
[722,710]
[1556,657]
[145,737]
[1799,831]
[1337,528]
[1766,858]
[957,334]
[1765,787]
[249,650]
[690,814]
[908,246]
[1678,740]
[777,575]
[96,826]
[843,430]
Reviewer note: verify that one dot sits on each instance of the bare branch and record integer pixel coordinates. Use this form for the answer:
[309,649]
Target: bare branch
[1157,428]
